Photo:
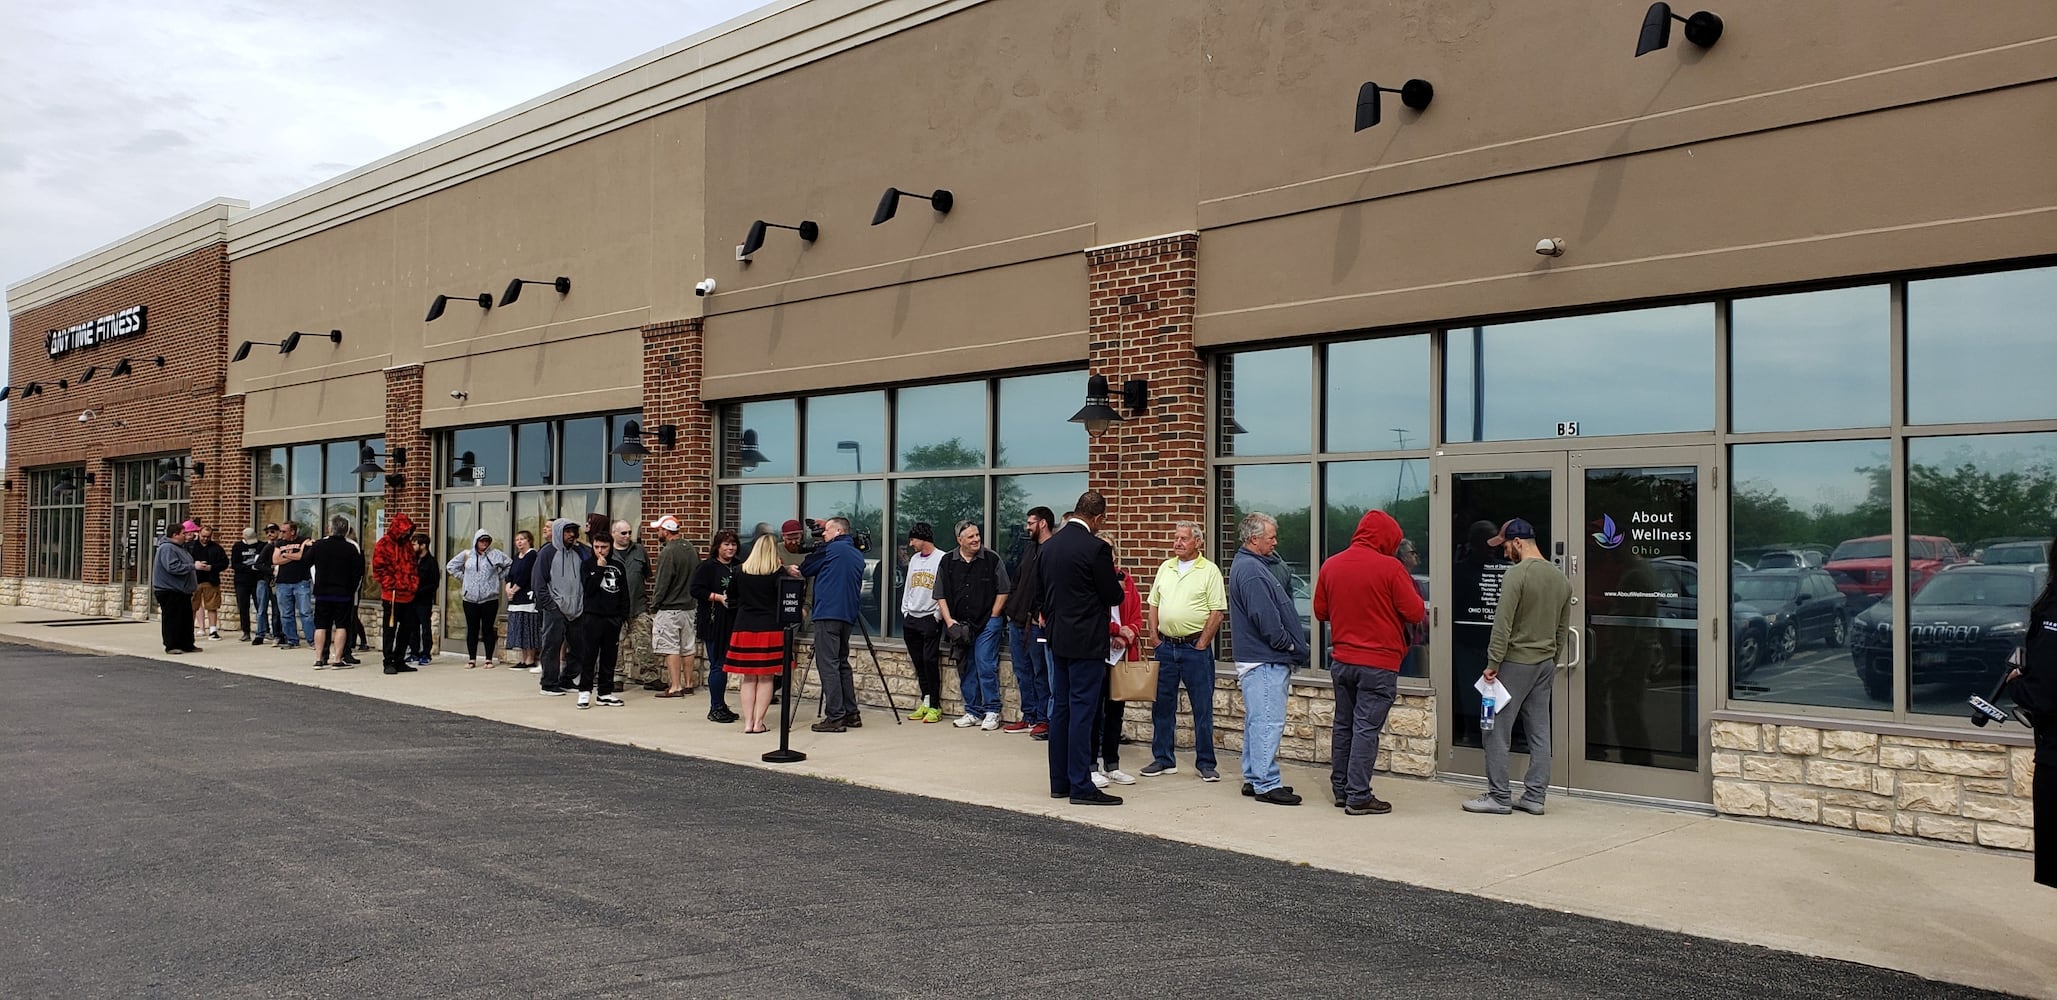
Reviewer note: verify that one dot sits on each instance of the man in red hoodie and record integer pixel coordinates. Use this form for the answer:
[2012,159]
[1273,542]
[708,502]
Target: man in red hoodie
[395,566]
[1368,599]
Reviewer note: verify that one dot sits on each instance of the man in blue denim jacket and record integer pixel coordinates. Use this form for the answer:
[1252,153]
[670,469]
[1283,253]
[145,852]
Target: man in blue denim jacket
[837,569]
[1267,641]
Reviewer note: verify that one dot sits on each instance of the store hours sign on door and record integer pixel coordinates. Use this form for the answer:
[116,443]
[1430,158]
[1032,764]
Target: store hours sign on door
[113,326]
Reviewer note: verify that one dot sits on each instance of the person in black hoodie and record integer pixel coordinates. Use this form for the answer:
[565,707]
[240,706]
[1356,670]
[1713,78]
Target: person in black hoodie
[2034,685]
[428,583]
[605,581]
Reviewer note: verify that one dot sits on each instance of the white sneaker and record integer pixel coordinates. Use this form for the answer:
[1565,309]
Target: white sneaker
[967,721]
[992,722]
[536,669]
[214,633]
[585,699]
[1099,780]
[1121,777]
[611,701]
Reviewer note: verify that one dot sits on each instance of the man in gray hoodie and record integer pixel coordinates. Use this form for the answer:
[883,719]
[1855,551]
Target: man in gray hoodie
[560,599]
[173,579]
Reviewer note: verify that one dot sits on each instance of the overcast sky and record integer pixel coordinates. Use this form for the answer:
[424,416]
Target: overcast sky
[117,114]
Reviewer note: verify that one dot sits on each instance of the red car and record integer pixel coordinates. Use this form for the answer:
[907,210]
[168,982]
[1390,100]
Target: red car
[1863,567]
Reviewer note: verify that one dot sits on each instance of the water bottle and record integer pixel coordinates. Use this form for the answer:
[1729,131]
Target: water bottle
[1485,715]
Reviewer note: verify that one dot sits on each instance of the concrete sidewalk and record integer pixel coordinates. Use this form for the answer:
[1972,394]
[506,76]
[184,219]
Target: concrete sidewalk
[1960,915]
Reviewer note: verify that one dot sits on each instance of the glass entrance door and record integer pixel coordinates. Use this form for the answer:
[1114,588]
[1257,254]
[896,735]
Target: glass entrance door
[462,518]
[1626,527]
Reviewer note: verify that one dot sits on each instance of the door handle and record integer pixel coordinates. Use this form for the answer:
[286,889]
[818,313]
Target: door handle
[1578,647]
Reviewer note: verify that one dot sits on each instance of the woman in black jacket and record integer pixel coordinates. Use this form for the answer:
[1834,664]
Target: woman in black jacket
[713,618]
[2035,689]
[757,643]
[524,628]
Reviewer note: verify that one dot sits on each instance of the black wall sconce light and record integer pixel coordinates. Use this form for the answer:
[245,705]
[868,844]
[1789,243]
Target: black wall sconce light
[368,462]
[175,471]
[1415,94]
[127,366]
[754,242]
[1702,29]
[631,449]
[440,302]
[32,389]
[513,292]
[749,457]
[286,346]
[87,375]
[1099,413]
[66,485]
[940,200]
[5,391]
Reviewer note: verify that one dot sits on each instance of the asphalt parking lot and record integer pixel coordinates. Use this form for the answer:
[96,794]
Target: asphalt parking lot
[177,832]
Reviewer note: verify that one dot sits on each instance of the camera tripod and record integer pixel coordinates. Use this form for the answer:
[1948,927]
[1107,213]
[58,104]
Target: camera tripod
[821,699]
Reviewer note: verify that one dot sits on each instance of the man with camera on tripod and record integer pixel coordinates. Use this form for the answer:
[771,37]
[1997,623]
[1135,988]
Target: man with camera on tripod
[837,568]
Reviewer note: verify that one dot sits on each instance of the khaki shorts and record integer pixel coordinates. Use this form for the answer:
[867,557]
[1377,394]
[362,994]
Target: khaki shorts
[671,633]
[207,597]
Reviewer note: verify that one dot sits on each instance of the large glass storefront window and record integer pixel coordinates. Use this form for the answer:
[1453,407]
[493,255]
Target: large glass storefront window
[57,533]
[980,450]
[308,484]
[1639,371]
[1271,405]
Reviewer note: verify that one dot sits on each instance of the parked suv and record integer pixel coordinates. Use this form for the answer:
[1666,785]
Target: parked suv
[2016,554]
[1792,558]
[1967,621]
[1799,605]
[1863,567]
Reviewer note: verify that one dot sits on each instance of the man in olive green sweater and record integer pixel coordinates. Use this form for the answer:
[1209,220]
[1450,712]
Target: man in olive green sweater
[1528,635]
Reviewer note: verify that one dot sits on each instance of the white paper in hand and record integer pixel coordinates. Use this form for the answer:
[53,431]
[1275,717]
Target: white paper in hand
[1491,689]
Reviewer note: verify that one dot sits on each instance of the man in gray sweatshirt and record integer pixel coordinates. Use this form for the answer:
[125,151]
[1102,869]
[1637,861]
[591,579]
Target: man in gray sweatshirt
[1528,636]
[173,579]
[560,599]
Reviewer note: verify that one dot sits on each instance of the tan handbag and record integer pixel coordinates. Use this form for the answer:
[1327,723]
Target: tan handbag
[1132,680]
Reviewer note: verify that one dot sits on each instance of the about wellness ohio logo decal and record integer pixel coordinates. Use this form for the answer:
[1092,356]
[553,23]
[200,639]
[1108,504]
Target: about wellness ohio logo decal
[1608,536]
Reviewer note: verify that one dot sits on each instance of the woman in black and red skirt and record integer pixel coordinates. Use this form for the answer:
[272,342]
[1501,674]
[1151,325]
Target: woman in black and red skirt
[757,645]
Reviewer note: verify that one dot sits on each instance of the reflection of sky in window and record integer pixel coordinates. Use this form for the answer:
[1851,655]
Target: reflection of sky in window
[1646,371]
[1377,389]
[1816,359]
[1981,347]
[1272,392]
[846,433]
[1810,474]
[778,436]
[1989,453]
[1035,421]
[1283,491]
[930,415]
[769,504]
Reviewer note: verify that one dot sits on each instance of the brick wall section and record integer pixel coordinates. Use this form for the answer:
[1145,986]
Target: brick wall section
[680,480]
[171,410]
[403,430]
[1153,469]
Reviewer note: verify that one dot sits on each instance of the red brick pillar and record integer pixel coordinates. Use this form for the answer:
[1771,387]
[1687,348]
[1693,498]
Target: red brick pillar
[1152,468]
[678,480]
[403,430]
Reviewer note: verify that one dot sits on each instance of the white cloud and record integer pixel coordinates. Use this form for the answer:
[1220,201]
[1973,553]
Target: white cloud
[117,114]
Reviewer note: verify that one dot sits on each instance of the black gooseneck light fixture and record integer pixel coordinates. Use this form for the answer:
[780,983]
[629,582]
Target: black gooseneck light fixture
[1415,94]
[286,346]
[889,204]
[1702,29]
[368,465]
[513,292]
[440,302]
[467,467]
[87,375]
[127,366]
[175,470]
[808,230]
[631,448]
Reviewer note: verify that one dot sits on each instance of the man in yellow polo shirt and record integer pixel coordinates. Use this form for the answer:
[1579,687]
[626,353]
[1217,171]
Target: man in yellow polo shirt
[1187,601]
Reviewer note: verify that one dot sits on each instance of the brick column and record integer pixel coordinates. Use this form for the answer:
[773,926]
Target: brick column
[677,480]
[403,430]
[1152,468]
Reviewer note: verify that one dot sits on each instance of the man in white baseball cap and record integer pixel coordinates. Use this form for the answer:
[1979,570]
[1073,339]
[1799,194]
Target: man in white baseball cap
[671,627]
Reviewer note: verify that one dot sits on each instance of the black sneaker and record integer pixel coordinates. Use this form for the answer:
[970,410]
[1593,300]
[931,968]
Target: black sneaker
[1096,797]
[351,660]
[1250,790]
[829,726]
[721,714]
[853,721]
[1372,806]
[392,670]
[402,668]
[1280,796]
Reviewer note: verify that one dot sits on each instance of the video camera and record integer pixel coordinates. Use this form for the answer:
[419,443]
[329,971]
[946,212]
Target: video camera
[813,536]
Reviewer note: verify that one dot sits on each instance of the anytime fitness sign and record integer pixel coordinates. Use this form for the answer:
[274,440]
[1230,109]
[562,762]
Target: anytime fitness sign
[126,323]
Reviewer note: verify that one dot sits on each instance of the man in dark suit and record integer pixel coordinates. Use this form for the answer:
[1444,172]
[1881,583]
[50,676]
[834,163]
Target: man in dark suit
[1079,585]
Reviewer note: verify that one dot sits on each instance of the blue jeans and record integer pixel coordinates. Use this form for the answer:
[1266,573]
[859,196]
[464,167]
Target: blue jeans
[979,680]
[260,610]
[1264,722]
[296,612]
[1031,673]
[1195,669]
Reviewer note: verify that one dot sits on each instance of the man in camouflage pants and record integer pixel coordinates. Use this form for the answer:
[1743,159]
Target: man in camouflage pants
[638,664]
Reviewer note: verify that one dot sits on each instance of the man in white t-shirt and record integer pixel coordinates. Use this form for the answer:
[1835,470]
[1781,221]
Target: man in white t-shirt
[919,621]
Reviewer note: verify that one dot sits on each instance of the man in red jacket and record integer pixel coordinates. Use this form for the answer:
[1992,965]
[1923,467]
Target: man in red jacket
[1368,599]
[395,566]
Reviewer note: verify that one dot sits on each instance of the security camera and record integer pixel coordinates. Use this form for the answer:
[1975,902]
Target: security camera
[86,417]
[459,394]
[1552,247]
[704,288]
